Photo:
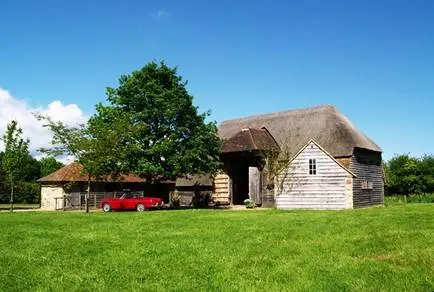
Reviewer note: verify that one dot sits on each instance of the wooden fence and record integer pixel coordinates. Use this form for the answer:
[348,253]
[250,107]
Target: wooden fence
[76,201]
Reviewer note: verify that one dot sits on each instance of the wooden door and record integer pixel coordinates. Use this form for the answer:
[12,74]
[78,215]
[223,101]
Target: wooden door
[255,189]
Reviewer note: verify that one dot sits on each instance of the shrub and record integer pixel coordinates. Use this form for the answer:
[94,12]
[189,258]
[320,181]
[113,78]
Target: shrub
[421,198]
[175,199]
[250,204]
[28,193]
[24,193]
[417,198]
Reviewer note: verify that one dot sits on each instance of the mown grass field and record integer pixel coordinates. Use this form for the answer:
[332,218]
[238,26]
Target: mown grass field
[377,249]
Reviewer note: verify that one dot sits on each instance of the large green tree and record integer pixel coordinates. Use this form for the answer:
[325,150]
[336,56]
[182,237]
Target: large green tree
[15,155]
[171,137]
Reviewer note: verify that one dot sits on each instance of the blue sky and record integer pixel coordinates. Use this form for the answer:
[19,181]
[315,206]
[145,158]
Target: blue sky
[373,60]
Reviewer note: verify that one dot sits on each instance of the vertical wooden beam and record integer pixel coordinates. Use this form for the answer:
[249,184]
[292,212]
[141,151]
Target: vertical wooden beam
[231,190]
[94,200]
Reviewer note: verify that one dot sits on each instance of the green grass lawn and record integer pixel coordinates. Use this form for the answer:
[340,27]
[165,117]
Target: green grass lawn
[377,249]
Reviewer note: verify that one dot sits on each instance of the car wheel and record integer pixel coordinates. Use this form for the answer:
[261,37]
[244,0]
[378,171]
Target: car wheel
[140,208]
[106,208]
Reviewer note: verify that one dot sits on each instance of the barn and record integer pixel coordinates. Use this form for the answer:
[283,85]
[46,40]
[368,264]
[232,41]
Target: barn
[312,158]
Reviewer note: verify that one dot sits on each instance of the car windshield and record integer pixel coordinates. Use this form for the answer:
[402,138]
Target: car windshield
[126,196]
[131,195]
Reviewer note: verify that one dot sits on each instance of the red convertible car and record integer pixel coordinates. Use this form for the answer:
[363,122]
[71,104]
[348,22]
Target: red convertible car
[129,202]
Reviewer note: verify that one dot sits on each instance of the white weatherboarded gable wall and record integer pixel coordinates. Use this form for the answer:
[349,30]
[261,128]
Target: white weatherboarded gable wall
[330,188]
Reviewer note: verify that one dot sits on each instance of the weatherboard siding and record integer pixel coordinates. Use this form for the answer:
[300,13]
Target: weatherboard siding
[366,165]
[330,188]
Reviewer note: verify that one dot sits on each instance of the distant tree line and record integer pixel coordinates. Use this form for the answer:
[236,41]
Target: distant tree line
[407,175]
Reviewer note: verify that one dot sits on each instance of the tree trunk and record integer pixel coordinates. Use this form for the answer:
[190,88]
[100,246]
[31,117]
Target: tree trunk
[86,198]
[12,198]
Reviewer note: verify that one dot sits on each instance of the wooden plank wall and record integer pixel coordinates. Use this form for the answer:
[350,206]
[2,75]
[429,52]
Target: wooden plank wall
[221,194]
[367,166]
[297,189]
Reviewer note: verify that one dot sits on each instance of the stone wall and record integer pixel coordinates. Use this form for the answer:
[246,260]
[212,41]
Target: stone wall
[48,195]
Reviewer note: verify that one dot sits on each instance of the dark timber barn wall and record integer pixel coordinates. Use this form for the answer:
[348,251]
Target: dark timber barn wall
[366,165]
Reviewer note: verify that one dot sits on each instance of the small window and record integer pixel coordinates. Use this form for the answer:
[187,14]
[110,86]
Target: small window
[312,166]
[367,185]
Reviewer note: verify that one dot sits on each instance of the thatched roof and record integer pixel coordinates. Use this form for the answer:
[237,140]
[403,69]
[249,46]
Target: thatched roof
[250,140]
[294,128]
[74,173]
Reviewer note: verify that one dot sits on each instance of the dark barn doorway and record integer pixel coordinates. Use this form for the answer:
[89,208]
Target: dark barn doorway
[239,167]
[240,184]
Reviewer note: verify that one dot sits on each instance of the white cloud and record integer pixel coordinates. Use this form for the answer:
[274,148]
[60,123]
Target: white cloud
[13,108]
[160,14]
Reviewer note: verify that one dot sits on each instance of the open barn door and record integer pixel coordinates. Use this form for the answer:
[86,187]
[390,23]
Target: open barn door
[255,188]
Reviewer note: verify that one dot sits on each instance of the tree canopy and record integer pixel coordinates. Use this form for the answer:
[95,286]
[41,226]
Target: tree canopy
[407,175]
[170,137]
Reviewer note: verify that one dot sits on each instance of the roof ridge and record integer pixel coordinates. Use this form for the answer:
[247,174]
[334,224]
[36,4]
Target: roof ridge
[279,113]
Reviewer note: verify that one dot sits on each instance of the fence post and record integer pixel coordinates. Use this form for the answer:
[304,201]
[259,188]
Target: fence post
[64,199]
[94,200]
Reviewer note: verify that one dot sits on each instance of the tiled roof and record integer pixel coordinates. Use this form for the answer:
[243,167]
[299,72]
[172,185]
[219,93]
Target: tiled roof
[74,173]
[194,180]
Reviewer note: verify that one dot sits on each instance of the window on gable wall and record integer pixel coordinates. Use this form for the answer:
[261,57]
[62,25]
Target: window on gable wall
[367,185]
[312,166]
